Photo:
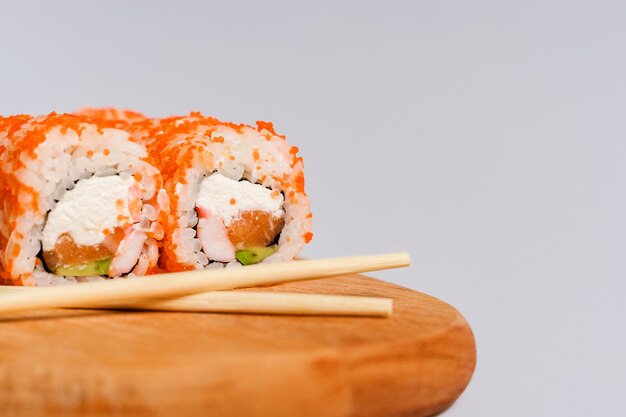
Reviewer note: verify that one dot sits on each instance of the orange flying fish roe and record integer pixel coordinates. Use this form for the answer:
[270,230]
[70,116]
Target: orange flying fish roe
[269,126]
[120,119]
[255,154]
[106,152]
[307,237]
[295,161]
[233,201]
[300,182]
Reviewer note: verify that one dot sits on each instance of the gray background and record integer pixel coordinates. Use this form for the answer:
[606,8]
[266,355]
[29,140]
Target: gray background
[485,138]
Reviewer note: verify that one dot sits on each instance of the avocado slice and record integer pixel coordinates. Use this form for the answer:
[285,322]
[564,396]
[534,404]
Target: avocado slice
[85,270]
[255,255]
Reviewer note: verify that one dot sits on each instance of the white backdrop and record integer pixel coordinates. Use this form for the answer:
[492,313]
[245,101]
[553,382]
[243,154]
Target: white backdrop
[488,139]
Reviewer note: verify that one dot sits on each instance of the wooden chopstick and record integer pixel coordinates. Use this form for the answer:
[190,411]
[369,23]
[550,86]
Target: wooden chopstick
[259,303]
[122,291]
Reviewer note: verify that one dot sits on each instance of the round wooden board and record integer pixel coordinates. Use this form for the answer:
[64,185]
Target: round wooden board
[97,363]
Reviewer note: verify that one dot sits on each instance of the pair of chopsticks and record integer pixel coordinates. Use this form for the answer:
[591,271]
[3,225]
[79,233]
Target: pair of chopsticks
[205,290]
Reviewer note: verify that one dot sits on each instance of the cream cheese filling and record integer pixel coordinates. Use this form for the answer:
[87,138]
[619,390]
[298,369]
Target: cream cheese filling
[85,212]
[227,198]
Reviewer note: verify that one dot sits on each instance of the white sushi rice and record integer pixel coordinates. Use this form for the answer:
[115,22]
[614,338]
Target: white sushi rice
[63,159]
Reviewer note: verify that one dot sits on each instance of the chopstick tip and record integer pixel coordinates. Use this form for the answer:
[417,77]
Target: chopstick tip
[404,258]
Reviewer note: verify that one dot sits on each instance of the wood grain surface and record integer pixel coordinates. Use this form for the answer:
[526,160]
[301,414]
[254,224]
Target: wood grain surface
[97,363]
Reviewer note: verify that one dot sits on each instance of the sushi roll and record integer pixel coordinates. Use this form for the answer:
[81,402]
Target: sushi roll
[80,201]
[236,193]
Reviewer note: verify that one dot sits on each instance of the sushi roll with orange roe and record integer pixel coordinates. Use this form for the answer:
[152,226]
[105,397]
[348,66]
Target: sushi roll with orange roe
[80,201]
[236,193]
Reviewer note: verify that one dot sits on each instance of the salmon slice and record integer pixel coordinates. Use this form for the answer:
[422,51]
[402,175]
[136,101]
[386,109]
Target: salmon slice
[67,252]
[254,228]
